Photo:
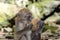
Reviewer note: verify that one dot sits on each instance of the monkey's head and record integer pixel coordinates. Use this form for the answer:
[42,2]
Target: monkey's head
[24,15]
[35,24]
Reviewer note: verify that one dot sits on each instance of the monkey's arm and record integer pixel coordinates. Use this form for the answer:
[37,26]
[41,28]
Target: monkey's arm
[41,26]
[29,27]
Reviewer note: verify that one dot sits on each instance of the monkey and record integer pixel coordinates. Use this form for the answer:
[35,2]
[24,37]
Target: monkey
[23,20]
[36,29]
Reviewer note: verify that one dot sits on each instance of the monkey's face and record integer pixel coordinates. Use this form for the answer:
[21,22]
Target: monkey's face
[35,24]
[25,17]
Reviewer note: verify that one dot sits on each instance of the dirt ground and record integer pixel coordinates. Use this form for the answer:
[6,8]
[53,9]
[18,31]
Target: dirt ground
[6,39]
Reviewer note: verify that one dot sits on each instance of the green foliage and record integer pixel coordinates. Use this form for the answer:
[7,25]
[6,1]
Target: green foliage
[43,7]
[46,27]
[7,11]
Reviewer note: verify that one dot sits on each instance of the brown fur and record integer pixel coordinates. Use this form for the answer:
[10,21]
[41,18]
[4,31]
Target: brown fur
[35,24]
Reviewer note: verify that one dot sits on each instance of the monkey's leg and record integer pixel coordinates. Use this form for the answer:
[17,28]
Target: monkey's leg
[35,35]
[18,36]
[28,35]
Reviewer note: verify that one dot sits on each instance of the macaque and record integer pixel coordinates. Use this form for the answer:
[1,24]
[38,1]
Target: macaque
[23,20]
[36,29]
